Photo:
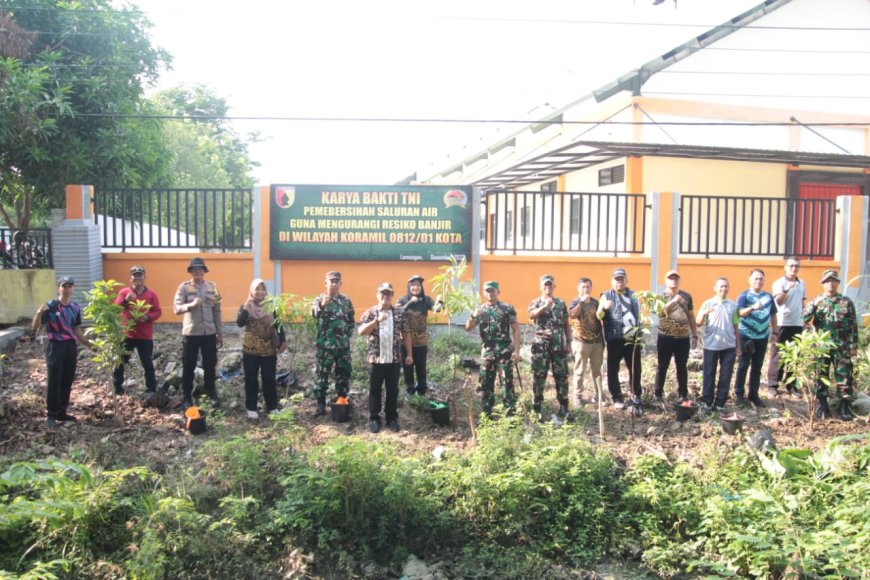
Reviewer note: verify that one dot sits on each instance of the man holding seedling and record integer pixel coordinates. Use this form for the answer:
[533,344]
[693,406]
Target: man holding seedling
[789,293]
[620,312]
[500,335]
[835,313]
[140,337]
[549,347]
[334,315]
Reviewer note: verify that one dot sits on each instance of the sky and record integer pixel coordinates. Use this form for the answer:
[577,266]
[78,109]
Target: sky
[450,60]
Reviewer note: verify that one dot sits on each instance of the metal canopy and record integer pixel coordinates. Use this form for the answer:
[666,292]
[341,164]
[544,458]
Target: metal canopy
[583,154]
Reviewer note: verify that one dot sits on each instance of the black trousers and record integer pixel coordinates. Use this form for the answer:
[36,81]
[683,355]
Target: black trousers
[724,359]
[618,351]
[265,366]
[145,348]
[752,353]
[190,352]
[379,375]
[775,372]
[61,357]
[677,348]
[419,353]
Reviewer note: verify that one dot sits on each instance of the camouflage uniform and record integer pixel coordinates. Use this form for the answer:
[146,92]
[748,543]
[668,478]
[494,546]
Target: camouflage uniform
[549,348]
[836,314]
[335,326]
[496,323]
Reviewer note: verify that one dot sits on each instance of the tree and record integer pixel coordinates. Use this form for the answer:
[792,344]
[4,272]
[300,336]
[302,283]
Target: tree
[206,152]
[71,84]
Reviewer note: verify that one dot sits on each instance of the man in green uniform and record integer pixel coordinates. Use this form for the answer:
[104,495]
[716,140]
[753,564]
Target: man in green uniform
[498,325]
[549,347]
[334,315]
[835,313]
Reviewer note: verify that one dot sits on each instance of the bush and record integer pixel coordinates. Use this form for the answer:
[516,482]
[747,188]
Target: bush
[362,499]
[548,493]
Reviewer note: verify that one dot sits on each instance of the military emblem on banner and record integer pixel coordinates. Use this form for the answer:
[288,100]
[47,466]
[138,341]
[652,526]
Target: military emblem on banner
[455,197]
[285,196]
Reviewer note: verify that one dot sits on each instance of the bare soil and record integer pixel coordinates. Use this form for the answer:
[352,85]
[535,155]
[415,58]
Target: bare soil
[157,439]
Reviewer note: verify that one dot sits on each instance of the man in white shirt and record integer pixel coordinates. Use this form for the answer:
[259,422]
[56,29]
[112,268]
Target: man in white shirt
[789,293]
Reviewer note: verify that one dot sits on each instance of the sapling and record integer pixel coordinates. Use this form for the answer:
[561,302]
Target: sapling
[458,298]
[803,359]
[108,329]
[291,310]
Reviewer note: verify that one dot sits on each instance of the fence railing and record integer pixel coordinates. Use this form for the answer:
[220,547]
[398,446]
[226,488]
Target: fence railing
[532,221]
[174,218]
[25,249]
[757,226]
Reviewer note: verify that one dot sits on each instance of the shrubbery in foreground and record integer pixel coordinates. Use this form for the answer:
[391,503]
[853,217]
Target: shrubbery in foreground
[518,503]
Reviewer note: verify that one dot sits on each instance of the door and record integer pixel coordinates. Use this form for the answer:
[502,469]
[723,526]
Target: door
[815,215]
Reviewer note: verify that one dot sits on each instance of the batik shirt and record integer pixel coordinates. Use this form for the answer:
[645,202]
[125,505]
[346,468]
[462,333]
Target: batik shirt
[586,327]
[418,315]
[335,322]
[675,322]
[550,324]
[385,341]
[836,314]
[496,324]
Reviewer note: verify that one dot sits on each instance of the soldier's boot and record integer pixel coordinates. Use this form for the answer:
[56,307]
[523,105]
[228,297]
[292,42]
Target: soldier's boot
[845,410]
[822,408]
[321,407]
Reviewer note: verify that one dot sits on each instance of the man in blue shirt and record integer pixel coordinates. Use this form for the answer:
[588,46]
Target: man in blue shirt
[757,311]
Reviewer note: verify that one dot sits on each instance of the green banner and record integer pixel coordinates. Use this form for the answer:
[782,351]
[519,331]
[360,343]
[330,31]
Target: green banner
[370,222]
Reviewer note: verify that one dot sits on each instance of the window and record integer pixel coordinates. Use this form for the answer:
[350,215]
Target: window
[509,225]
[576,209]
[549,187]
[611,175]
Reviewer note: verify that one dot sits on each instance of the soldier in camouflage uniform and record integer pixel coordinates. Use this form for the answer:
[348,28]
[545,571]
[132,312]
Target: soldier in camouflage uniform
[334,315]
[549,348]
[498,326]
[835,313]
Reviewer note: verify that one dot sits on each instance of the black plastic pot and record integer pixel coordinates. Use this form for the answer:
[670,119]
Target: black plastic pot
[731,424]
[440,412]
[340,413]
[684,413]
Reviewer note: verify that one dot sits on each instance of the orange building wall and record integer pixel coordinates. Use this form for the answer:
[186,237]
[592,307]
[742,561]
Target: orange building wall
[359,279]
[518,276]
[231,272]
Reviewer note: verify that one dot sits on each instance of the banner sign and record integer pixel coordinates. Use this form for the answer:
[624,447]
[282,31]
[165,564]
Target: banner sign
[370,222]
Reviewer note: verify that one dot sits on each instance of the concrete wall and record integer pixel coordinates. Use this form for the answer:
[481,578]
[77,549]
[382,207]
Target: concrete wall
[23,291]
